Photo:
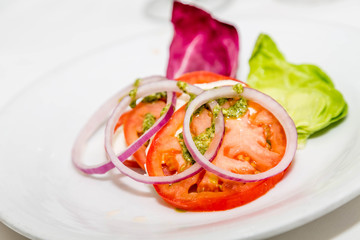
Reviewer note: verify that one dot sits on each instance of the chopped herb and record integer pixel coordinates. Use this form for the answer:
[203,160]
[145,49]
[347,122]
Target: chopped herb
[222,101]
[148,122]
[268,144]
[137,82]
[154,97]
[267,132]
[216,110]
[182,86]
[236,110]
[180,210]
[133,92]
[198,111]
[238,88]
[202,142]
[165,109]
[185,152]
[132,95]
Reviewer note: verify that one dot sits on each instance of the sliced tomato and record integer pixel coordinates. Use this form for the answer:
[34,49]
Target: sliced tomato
[130,162]
[133,119]
[133,126]
[253,143]
[121,120]
[199,77]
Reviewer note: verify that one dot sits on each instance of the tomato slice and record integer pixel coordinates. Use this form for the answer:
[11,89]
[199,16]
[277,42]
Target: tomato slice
[252,143]
[199,77]
[133,126]
[130,162]
[133,119]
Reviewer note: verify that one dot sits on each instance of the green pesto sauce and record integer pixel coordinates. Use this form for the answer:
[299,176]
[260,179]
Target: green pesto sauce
[238,88]
[203,140]
[222,101]
[198,111]
[216,110]
[180,210]
[148,99]
[154,97]
[132,95]
[185,152]
[165,109]
[133,92]
[148,122]
[202,143]
[236,110]
[183,87]
[137,82]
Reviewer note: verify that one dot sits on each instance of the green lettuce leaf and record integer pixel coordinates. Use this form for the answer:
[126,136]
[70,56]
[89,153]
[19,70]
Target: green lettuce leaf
[305,91]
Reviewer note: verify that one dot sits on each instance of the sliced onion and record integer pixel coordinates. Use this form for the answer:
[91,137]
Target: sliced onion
[96,120]
[160,86]
[264,100]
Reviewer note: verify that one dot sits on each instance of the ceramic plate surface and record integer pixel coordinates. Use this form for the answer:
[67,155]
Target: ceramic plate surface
[44,197]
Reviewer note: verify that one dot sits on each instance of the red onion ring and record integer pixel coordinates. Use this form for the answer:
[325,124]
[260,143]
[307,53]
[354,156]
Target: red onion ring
[170,86]
[95,121]
[264,100]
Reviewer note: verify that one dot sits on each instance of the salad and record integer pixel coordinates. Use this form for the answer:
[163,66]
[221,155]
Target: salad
[205,140]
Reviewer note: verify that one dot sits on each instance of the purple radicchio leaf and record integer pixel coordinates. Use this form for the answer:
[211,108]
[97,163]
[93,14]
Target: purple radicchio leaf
[201,43]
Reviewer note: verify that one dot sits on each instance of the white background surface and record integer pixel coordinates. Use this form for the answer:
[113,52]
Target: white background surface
[37,36]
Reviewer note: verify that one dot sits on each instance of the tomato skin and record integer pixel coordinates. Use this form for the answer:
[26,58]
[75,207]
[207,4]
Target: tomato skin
[199,77]
[219,202]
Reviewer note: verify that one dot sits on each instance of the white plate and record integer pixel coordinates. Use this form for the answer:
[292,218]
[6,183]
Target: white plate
[44,197]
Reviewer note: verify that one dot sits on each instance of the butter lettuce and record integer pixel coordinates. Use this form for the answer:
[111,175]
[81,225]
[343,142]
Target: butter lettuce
[304,90]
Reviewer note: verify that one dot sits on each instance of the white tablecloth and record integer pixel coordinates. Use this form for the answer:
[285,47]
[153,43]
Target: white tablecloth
[36,36]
